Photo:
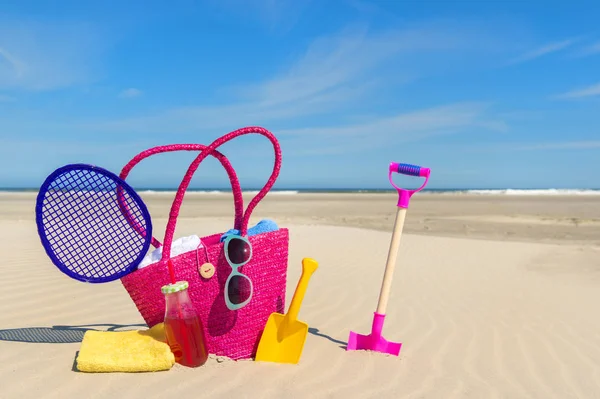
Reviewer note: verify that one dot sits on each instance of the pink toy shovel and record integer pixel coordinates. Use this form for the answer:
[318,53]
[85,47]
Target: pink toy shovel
[374,341]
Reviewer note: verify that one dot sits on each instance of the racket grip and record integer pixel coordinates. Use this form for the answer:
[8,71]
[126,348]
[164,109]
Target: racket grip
[408,169]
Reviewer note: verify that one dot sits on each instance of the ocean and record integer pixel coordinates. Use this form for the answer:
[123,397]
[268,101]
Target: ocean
[453,191]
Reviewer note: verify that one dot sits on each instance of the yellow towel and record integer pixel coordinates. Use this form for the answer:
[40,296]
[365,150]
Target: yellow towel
[125,351]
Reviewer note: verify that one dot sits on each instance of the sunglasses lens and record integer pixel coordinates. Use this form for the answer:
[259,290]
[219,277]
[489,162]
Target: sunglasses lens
[239,289]
[238,251]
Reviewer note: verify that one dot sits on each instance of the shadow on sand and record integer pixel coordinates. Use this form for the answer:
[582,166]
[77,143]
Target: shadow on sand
[71,334]
[315,331]
[58,334]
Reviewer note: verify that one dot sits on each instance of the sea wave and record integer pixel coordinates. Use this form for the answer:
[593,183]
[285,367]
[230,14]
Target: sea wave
[508,192]
[549,191]
[209,192]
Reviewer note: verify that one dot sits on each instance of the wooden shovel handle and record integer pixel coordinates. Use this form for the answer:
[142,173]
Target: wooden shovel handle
[391,261]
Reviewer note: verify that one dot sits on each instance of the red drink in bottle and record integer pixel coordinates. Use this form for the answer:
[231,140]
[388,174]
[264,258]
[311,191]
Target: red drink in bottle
[183,327]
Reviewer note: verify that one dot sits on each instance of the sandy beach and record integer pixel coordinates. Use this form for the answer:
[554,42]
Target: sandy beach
[493,297]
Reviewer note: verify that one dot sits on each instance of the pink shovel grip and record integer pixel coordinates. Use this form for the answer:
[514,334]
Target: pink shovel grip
[411,170]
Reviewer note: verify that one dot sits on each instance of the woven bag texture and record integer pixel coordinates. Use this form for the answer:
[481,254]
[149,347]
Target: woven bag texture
[234,334]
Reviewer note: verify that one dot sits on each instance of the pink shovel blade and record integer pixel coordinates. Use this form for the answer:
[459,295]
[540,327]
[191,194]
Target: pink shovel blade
[374,341]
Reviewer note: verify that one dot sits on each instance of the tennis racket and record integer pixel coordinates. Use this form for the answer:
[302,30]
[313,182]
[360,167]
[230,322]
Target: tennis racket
[94,227]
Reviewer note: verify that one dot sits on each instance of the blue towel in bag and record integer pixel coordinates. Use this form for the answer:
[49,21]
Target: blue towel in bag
[264,226]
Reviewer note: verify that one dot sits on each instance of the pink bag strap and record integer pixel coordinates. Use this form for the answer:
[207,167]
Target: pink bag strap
[170,229]
[235,184]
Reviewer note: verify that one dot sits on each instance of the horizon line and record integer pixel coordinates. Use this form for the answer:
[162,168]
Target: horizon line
[392,189]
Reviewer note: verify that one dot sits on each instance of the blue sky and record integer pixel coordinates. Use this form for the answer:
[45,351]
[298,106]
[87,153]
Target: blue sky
[487,94]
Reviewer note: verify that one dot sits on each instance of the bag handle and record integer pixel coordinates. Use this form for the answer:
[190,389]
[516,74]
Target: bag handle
[170,229]
[235,184]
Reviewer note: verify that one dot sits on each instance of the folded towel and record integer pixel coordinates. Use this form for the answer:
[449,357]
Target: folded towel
[179,246]
[125,351]
[264,226]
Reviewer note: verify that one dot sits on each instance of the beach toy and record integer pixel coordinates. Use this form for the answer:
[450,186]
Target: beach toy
[375,341]
[94,227]
[183,329]
[283,338]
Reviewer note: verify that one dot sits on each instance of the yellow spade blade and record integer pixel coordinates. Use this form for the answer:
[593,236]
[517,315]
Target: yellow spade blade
[283,338]
[282,343]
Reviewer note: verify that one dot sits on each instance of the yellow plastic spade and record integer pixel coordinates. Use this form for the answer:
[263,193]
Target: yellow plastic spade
[283,338]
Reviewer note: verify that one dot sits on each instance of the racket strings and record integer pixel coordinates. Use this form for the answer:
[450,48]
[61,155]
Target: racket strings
[85,226]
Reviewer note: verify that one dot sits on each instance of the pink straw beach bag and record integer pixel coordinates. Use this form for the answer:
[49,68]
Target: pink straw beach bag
[231,333]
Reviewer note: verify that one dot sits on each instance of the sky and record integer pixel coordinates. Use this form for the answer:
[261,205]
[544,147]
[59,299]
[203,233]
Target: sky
[495,94]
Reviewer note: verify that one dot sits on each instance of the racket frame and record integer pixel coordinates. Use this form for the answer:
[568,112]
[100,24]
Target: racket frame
[118,181]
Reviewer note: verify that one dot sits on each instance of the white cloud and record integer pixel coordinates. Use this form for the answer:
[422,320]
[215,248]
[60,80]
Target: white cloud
[544,50]
[6,99]
[199,118]
[400,128]
[591,49]
[335,73]
[568,145]
[45,56]
[328,100]
[590,91]
[507,147]
[352,55]
[10,64]
[365,7]
[279,15]
[421,122]
[130,93]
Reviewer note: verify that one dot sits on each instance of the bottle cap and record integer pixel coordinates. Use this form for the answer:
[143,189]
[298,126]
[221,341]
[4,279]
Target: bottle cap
[171,288]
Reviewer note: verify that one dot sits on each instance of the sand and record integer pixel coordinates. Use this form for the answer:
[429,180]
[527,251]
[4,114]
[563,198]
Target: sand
[493,297]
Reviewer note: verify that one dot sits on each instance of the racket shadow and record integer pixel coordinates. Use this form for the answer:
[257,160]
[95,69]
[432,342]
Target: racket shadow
[59,334]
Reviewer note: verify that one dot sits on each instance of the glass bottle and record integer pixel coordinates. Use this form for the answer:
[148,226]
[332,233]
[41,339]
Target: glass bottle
[183,327]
